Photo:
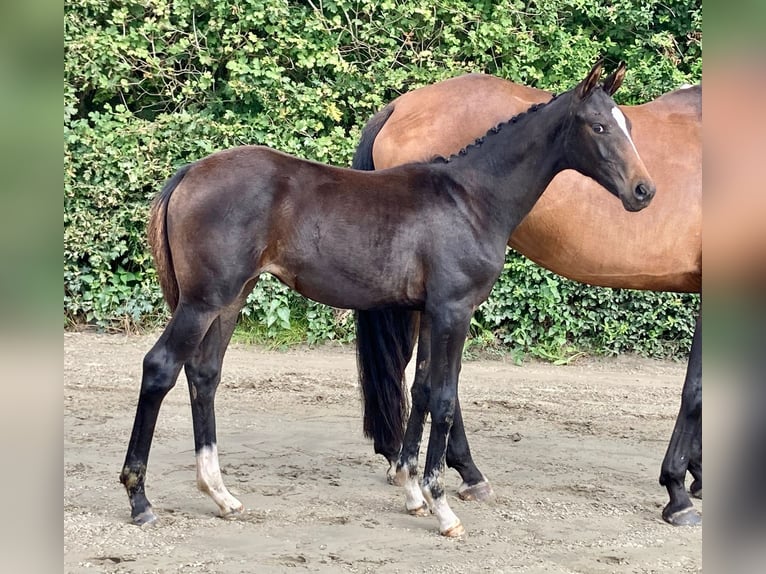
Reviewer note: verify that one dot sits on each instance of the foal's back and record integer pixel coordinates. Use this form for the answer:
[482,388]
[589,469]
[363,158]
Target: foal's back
[342,237]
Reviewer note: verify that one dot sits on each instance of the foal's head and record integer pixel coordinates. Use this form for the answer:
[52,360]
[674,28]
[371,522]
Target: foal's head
[599,144]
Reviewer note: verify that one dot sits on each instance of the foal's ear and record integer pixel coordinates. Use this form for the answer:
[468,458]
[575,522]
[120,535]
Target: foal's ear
[614,80]
[585,87]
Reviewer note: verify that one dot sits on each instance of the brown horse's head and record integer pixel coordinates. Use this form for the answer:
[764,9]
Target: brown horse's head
[604,149]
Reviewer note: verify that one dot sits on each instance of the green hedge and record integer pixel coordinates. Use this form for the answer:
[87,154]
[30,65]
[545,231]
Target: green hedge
[150,86]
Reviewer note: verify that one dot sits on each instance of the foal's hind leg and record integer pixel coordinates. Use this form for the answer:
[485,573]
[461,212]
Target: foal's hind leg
[686,435]
[161,366]
[407,467]
[203,373]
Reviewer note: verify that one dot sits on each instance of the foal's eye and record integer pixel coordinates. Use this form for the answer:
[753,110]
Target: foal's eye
[598,128]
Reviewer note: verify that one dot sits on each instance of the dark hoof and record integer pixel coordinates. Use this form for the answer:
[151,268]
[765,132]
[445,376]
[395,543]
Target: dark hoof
[686,517]
[479,492]
[146,518]
[696,489]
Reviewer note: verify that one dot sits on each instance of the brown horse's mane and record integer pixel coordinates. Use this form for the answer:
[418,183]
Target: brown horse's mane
[492,131]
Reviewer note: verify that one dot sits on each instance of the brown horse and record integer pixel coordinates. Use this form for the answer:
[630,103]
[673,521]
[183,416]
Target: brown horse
[424,238]
[570,231]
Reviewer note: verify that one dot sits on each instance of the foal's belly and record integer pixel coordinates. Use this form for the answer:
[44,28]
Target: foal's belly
[354,285]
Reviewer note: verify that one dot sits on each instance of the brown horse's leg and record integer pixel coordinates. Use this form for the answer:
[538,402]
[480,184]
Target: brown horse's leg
[695,458]
[475,485]
[160,371]
[686,434]
[695,465]
[449,327]
[203,373]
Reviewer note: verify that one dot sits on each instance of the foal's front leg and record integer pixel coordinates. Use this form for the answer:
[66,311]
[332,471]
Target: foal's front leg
[475,486]
[449,327]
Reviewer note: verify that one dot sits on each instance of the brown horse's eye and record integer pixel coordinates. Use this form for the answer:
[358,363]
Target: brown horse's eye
[598,128]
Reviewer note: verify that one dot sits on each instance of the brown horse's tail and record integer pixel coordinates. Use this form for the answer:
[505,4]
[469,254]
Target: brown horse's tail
[384,342]
[363,154]
[158,239]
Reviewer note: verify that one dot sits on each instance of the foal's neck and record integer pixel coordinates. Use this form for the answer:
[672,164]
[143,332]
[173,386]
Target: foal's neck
[510,168]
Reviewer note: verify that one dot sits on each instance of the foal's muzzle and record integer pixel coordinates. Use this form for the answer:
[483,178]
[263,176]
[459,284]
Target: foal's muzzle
[642,196]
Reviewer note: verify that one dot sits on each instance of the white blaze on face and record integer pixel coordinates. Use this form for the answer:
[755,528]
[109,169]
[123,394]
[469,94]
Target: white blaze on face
[623,123]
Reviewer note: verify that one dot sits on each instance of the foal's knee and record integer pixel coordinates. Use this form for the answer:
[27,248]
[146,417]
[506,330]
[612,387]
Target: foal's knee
[159,374]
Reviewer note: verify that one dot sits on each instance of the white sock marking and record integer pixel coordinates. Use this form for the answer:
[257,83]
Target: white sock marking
[414,497]
[210,481]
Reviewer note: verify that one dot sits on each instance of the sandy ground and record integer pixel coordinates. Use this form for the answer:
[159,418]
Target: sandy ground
[573,454]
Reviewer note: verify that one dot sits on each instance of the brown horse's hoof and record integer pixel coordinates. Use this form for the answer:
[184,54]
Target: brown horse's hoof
[454,531]
[479,492]
[686,517]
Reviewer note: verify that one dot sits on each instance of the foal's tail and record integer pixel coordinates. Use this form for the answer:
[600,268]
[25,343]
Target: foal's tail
[384,342]
[158,239]
[363,154]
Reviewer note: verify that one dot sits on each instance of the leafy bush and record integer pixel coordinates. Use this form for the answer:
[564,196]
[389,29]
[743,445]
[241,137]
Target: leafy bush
[150,86]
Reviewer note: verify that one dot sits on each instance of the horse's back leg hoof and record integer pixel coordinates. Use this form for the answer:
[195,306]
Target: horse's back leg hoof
[480,492]
[454,531]
[391,474]
[145,518]
[233,513]
[685,517]
[419,511]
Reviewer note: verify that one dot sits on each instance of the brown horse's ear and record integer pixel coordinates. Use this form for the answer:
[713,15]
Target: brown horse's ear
[614,80]
[585,87]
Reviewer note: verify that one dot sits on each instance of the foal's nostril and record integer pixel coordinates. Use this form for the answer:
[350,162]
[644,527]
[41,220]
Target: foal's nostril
[643,192]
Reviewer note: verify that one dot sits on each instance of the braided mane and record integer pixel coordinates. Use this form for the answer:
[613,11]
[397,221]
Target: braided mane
[492,131]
